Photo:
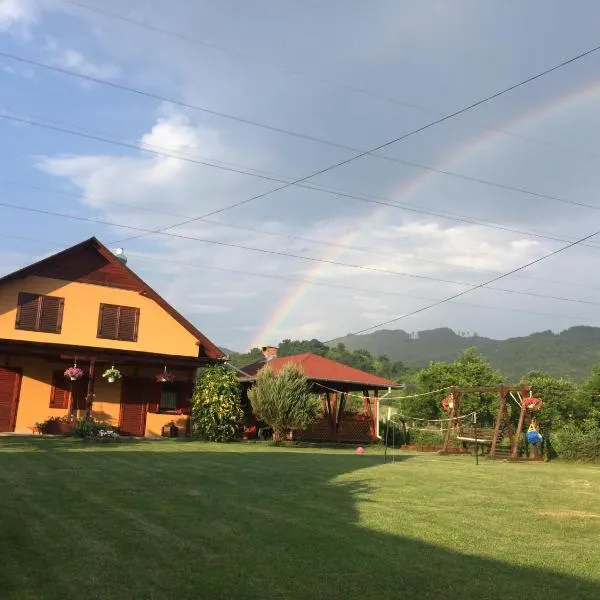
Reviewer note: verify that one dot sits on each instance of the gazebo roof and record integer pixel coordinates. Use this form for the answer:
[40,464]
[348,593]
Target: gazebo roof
[320,369]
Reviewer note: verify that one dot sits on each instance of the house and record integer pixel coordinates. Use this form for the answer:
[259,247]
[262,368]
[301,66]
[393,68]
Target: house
[349,396]
[84,307]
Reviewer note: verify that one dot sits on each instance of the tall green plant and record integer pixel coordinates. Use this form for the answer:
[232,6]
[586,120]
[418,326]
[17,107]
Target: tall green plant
[284,401]
[217,414]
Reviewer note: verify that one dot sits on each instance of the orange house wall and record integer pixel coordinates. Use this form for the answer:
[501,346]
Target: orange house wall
[158,332]
[36,387]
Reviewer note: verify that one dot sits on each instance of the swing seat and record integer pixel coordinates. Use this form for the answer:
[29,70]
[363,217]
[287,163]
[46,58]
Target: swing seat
[473,440]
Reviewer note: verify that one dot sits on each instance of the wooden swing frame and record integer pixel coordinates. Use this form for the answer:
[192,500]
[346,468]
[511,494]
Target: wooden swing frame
[455,423]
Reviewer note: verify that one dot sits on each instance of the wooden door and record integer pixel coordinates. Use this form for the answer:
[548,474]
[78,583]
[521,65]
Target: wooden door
[133,407]
[10,383]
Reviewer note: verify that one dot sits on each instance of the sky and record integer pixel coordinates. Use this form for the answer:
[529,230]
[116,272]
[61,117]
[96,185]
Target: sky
[154,113]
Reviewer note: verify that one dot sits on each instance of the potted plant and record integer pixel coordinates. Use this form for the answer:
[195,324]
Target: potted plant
[165,377]
[112,375]
[74,373]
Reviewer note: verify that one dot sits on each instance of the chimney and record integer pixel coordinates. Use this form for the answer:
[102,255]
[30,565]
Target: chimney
[270,352]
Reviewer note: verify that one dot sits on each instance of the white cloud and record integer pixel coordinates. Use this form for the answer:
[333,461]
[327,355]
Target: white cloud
[74,60]
[20,14]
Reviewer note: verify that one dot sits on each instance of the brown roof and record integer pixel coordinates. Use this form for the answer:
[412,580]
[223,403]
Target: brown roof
[92,262]
[319,368]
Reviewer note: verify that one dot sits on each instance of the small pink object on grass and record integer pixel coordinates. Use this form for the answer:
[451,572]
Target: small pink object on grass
[360,450]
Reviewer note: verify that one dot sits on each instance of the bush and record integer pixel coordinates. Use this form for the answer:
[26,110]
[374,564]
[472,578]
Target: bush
[392,433]
[424,437]
[217,414]
[284,401]
[574,443]
[86,428]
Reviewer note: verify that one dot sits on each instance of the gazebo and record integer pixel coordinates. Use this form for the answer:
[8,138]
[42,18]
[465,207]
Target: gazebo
[350,397]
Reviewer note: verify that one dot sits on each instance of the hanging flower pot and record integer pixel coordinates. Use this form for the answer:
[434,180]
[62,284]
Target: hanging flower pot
[112,375]
[74,373]
[165,377]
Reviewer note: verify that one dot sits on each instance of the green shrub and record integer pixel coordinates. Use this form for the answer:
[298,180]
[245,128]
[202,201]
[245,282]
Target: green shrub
[575,443]
[217,414]
[284,401]
[90,428]
[392,433]
[425,437]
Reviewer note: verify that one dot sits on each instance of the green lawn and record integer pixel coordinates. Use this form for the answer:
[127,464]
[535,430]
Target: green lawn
[186,520]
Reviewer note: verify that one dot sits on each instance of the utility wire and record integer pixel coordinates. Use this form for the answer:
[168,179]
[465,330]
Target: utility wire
[477,287]
[323,80]
[157,151]
[276,233]
[320,171]
[310,258]
[270,276]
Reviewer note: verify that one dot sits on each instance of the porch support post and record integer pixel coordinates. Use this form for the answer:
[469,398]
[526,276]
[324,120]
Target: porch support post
[89,399]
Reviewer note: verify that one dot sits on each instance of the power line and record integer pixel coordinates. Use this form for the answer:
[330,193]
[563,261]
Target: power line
[156,150]
[313,259]
[271,233]
[477,287]
[246,273]
[309,76]
[288,181]
[359,154]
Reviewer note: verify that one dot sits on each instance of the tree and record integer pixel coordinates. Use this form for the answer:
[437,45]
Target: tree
[284,401]
[470,369]
[243,359]
[217,414]
[562,402]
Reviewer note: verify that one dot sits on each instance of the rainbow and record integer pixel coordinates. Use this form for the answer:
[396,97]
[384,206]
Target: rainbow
[480,144]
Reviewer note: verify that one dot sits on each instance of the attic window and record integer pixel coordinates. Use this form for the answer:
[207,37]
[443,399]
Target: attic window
[118,322]
[39,313]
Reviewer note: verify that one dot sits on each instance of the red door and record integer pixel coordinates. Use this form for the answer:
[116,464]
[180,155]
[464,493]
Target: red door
[10,383]
[133,407]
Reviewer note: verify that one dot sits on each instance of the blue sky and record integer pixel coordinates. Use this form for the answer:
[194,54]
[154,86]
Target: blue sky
[351,73]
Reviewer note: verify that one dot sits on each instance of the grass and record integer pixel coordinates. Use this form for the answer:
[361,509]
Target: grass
[185,520]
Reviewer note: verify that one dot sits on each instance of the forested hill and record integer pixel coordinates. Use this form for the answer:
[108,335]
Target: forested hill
[571,353]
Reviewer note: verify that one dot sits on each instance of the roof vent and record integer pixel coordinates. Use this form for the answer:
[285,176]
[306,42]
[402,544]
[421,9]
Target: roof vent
[120,254]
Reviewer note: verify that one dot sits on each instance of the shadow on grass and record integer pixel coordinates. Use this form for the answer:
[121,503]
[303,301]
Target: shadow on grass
[185,520]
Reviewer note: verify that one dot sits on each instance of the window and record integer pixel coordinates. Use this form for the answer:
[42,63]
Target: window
[59,395]
[168,397]
[118,322]
[39,313]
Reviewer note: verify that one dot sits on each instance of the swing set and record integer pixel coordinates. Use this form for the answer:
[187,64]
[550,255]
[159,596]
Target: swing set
[487,437]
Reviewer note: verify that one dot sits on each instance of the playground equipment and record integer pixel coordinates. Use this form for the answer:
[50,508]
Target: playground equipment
[503,427]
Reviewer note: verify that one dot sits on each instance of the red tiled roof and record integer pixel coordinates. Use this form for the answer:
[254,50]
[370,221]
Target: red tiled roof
[319,368]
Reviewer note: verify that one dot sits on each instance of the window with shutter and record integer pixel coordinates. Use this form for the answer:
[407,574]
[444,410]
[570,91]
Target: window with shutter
[60,393]
[128,320]
[118,322]
[108,321]
[51,311]
[39,313]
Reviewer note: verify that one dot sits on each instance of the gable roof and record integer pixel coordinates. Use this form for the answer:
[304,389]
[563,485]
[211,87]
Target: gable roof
[92,262]
[319,368]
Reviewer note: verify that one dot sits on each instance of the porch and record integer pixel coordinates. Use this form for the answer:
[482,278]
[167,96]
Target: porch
[33,388]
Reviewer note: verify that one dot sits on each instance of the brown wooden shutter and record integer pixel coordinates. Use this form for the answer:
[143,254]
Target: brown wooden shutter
[51,314]
[108,321]
[60,394]
[128,323]
[27,311]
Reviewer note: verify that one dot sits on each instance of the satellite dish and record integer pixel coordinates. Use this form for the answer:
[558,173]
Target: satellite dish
[120,254]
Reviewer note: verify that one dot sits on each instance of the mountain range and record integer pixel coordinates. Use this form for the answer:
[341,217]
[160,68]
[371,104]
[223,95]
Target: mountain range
[570,353]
